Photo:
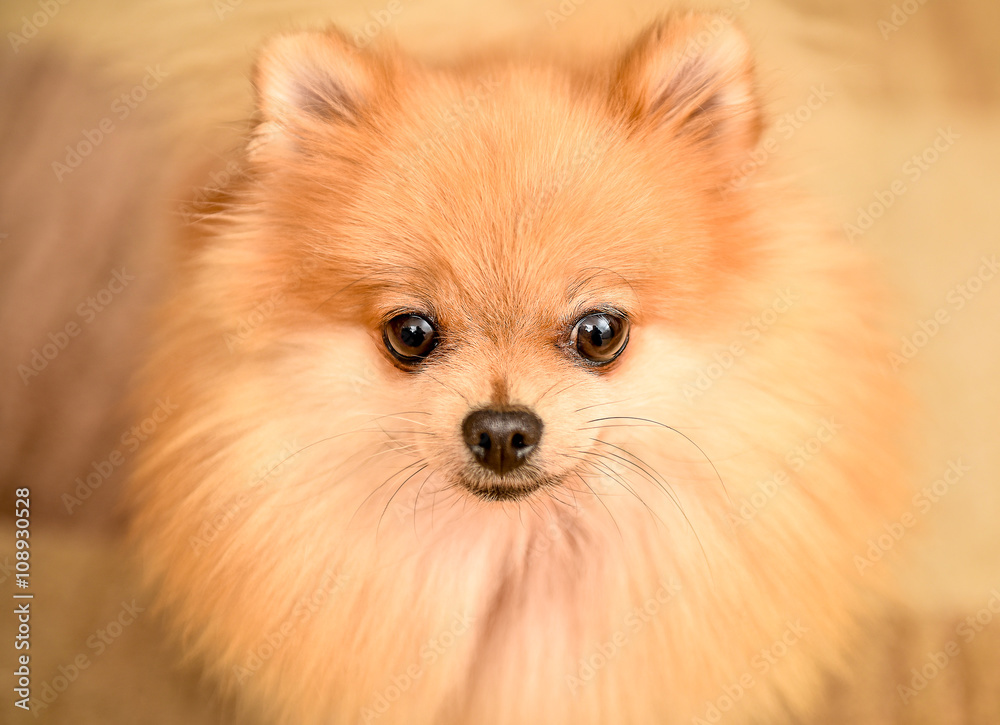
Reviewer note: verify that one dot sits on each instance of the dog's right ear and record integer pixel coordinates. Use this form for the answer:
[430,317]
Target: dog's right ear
[309,82]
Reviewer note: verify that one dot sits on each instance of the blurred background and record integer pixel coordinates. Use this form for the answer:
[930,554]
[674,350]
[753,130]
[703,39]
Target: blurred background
[887,111]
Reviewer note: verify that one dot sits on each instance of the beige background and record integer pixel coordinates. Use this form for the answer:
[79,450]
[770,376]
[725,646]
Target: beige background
[889,96]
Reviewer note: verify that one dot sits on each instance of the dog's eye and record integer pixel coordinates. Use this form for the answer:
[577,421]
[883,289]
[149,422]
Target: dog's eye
[410,338]
[600,337]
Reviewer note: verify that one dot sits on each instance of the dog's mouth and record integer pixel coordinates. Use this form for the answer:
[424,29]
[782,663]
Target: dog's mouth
[502,490]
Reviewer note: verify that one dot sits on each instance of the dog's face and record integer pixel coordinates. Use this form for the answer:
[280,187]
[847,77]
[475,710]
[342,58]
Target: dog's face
[492,240]
[496,343]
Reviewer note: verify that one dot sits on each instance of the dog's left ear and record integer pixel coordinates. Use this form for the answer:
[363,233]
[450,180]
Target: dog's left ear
[692,75]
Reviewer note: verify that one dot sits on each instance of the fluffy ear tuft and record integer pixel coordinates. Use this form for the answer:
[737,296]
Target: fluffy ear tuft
[692,74]
[310,77]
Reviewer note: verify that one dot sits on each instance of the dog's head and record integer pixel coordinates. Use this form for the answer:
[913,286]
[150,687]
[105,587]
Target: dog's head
[507,247]
[505,340]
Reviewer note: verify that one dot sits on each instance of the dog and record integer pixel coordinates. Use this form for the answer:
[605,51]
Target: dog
[500,399]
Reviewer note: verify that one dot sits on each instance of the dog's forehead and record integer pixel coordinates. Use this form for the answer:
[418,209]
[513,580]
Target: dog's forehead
[497,157]
[518,205]
[508,202]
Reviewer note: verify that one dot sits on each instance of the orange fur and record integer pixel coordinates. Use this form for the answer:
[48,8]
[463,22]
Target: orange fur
[307,494]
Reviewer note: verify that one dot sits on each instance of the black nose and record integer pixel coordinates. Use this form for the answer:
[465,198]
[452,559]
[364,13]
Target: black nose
[501,440]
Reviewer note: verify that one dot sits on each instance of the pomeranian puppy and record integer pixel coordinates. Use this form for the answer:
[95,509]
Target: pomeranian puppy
[500,398]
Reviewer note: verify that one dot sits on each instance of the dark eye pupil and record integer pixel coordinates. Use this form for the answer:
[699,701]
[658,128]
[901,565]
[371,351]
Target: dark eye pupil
[601,337]
[600,332]
[412,335]
[410,338]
